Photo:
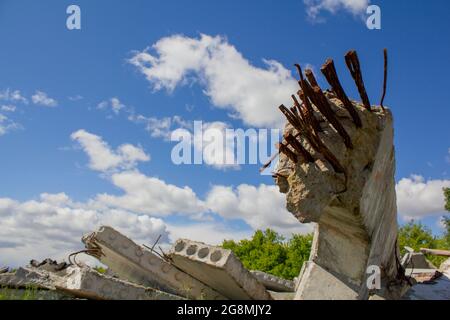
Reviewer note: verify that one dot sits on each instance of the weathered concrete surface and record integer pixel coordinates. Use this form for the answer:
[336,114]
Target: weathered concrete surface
[218,268]
[330,287]
[274,283]
[26,278]
[138,265]
[355,212]
[89,284]
[416,260]
[445,266]
[281,295]
[49,265]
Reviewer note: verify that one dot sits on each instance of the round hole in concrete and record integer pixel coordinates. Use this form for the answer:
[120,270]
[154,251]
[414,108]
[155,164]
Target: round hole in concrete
[216,256]
[180,246]
[203,252]
[192,249]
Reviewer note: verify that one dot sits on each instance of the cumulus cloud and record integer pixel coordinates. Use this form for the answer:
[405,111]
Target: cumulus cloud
[418,198]
[149,195]
[260,207]
[314,7]
[13,96]
[103,158]
[230,81]
[52,226]
[41,98]
[114,104]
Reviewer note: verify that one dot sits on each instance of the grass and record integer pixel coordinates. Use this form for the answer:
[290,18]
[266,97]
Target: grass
[29,293]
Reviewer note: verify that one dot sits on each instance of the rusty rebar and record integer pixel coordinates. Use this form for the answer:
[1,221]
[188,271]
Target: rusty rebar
[385,78]
[312,138]
[321,102]
[290,139]
[329,71]
[305,126]
[311,78]
[352,61]
[288,152]
[307,112]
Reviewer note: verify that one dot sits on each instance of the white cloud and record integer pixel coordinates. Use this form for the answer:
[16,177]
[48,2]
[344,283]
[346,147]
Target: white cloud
[260,207]
[448,156]
[103,158]
[13,96]
[217,149]
[7,125]
[160,127]
[53,225]
[8,108]
[251,93]
[314,7]
[114,104]
[41,98]
[418,198]
[149,195]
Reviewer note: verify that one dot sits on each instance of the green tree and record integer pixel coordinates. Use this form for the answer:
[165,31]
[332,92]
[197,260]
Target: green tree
[447,198]
[416,235]
[268,251]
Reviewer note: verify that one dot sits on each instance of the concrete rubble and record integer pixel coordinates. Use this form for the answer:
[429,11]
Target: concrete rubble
[274,283]
[90,284]
[218,268]
[138,265]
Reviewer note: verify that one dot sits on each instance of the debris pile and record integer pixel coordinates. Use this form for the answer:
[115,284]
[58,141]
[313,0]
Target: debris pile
[192,270]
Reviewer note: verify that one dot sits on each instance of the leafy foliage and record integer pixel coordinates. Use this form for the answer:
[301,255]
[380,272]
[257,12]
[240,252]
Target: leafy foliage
[268,251]
[447,198]
[416,235]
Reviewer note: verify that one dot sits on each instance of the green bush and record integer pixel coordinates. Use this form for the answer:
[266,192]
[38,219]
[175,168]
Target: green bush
[268,251]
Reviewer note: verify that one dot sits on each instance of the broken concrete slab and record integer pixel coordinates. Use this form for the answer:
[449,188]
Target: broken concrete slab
[416,260]
[90,284]
[136,264]
[27,278]
[49,265]
[274,283]
[218,268]
[282,295]
[330,287]
[445,266]
[4,270]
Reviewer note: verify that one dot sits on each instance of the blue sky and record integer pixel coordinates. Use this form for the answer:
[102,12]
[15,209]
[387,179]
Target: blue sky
[53,80]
